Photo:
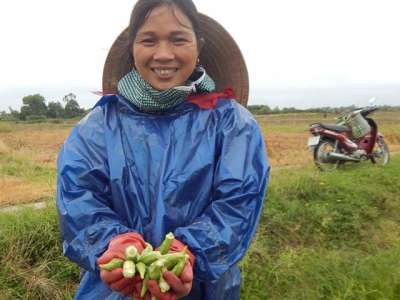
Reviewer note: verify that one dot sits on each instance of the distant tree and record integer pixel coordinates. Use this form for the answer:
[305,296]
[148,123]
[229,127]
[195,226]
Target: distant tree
[69,97]
[3,115]
[289,110]
[9,117]
[264,110]
[33,105]
[55,110]
[72,108]
[14,113]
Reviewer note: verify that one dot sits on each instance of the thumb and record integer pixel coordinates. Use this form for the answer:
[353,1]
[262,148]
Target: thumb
[107,256]
[156,291]
[187,273]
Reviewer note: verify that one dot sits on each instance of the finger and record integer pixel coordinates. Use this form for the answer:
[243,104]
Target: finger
[114,279]
[136,296]
[130,289]
[153,287]
[110,276]
[179,287]
[120,284]
[138,287]
[105,258]
[108,256]
[187,273]
[171,279]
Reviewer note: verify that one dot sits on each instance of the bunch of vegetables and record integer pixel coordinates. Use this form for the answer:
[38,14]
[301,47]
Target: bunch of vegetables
[150,264]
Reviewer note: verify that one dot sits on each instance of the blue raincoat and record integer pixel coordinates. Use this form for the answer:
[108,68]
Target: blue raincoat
[199,173]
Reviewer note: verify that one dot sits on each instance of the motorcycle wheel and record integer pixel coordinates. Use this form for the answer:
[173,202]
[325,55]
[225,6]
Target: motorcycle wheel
[380,155]
[324,162]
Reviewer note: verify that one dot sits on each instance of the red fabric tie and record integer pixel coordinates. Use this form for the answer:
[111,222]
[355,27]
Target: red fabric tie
[209,101]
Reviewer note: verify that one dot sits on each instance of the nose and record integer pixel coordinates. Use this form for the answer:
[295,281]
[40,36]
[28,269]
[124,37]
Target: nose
[163,51]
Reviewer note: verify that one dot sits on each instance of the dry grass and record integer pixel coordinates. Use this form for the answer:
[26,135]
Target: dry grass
[41,146]
[287,148]
[21,191]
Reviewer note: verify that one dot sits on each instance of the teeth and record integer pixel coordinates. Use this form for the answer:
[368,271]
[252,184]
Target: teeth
[164,72]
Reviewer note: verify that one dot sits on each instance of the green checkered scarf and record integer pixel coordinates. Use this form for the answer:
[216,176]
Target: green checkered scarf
[133,87]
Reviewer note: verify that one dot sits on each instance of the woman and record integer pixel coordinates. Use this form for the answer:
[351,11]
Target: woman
[164,154]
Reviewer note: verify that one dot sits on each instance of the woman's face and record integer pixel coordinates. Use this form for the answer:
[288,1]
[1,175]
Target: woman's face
[165,49]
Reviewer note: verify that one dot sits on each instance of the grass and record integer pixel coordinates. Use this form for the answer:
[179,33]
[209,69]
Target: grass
[25,181]
[5,127]
[28,162]
[333,235]
[321,236]
[329,235]
[30,256]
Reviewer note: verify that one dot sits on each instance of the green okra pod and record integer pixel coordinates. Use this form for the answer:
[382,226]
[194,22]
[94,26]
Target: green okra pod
[131,253]
[155,269]
[128,269]
[171,259]
[146,250]
[112,264]
[141,269]
[144,284]
[153,272]
[167,243]
[149,257]
[178,268]
[164,286]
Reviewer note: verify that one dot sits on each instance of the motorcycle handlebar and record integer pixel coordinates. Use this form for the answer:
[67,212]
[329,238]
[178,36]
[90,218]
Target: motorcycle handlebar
[367,110]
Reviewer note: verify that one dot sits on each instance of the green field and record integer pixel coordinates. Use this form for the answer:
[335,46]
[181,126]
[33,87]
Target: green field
[332,235]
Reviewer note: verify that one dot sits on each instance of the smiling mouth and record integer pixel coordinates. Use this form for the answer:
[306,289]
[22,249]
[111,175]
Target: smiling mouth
[164,72]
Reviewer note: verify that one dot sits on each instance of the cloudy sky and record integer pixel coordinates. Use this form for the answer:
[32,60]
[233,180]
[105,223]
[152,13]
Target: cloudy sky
[303,54]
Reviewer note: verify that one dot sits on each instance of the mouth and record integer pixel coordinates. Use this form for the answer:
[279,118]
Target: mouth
[164,72]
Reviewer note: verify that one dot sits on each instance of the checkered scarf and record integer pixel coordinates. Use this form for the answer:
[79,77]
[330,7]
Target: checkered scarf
[133,87]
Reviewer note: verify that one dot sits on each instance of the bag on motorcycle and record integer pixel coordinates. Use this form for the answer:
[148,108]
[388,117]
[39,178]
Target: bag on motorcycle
[359,126]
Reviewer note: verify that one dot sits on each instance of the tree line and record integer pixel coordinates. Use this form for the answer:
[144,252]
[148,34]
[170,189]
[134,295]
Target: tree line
[35,109]
[266,110]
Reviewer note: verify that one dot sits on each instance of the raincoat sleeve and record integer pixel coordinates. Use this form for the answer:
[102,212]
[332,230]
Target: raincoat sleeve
[220,237]
[86,221]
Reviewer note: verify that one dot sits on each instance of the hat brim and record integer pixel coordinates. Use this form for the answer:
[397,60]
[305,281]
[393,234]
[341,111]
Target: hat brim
[220,56]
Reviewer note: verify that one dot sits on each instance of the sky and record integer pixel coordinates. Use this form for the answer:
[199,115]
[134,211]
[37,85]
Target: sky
[302,54]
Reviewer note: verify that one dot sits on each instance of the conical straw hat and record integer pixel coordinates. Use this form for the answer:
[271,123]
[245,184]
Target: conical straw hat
[220,57]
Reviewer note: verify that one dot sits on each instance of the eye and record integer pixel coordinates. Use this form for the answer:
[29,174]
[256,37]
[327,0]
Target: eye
[179,41]
[146,41]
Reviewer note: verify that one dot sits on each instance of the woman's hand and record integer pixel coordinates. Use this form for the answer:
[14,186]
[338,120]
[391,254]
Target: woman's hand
[116,249]
[117,282]
[179,286]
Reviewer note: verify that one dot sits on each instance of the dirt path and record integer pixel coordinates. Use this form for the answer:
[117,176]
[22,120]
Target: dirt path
[18,207]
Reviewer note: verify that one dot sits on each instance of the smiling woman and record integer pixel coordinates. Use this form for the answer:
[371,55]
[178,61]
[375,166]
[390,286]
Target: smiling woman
[169,148]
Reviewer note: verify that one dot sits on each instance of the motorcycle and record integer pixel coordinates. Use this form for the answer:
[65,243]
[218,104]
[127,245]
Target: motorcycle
[353,138]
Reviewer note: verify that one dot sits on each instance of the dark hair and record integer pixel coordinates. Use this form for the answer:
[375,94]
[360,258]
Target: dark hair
[143,8]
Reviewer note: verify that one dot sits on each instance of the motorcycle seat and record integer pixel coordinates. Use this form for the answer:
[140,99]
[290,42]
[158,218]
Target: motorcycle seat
[338,128]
